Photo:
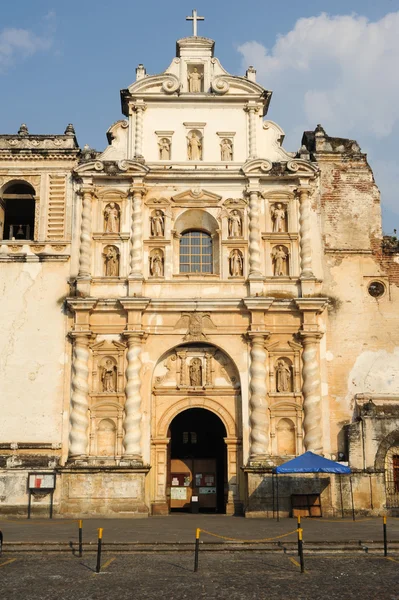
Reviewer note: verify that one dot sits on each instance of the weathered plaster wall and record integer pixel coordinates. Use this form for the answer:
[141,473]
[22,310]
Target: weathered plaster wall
[32,351]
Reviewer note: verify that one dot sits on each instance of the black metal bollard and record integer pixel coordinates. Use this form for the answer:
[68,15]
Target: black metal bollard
[1,542]
[300,543]
[384,526]
[80,538]
[298,528]
[100,539]
[197,540]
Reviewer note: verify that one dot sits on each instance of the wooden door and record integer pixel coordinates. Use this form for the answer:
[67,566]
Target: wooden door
[204,482]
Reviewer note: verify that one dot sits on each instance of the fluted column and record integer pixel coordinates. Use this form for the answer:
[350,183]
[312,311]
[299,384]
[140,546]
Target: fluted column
[311,389]
[305,232]
[133,411]
[85,234]
[138,134]
[79,416]
[259,419]
[252,111]
[254,234]
[136,248]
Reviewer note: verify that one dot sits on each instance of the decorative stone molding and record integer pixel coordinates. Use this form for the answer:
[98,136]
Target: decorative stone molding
[311,390]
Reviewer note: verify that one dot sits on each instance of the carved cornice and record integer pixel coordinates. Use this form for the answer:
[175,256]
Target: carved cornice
[316,305]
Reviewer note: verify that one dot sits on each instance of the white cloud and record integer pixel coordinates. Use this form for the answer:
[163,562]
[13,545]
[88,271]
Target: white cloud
[340,71]
[17,44]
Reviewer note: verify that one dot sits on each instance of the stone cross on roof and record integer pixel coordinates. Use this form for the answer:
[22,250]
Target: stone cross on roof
[195,18]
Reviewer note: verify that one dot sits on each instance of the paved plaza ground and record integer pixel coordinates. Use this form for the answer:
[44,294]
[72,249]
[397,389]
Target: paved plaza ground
[180,528]
[234,576]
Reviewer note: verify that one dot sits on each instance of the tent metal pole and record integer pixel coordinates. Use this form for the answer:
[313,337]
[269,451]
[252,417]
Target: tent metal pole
[278,507]
[353,506]
[274,511]
[340,491]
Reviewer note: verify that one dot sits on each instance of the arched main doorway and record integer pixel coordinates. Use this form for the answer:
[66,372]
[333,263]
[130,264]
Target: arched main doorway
[197,470]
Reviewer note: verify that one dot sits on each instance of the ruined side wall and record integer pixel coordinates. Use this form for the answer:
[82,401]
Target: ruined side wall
[362,345]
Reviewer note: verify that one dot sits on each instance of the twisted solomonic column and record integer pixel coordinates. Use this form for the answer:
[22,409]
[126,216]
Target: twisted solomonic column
[79,418]
[136,248]
[85,234]
[311,390]
[254,234]
[133,412]
[305,232]
[138,132]
[259,418]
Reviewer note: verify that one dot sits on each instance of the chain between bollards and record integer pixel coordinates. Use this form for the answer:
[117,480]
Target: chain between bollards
[100,539]
[384,526]
[300,547]
[80,538]
[197,541]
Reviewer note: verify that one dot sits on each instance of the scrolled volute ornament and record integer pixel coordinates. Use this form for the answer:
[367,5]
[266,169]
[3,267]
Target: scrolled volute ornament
[171,85]
[220,85]
[98,166]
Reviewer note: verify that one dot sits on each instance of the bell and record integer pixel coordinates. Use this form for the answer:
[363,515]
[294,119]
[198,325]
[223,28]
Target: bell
[20,232]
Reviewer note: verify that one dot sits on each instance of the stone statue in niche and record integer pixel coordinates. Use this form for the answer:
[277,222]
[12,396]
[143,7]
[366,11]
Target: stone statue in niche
[278,217]
[195,372]
[158,224]
[280,259]
[194,146]
[236,263]
[164,149]
[283,376]
[194,81]
[111,261]
[157,264]
[235,224]
[111,218]
[108,376]
[226,150]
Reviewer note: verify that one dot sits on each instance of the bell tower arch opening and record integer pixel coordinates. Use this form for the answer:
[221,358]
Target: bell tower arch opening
[198,462]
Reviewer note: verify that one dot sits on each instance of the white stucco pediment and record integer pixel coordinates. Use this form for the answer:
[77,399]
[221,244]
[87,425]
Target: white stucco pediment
[193,196]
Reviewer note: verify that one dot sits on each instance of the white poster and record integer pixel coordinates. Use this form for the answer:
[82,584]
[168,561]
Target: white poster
[178,493]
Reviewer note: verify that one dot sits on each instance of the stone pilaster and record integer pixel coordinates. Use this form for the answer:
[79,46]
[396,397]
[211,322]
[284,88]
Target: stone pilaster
[259,417]
[311,389]
[133,409]
[79,417]
[305,232]
[252,112]
[138,135]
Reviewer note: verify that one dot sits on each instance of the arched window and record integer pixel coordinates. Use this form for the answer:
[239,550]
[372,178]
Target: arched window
[17,212]
[196,252]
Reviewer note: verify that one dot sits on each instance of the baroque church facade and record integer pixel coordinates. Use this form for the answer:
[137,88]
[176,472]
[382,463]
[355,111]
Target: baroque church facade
[193,306]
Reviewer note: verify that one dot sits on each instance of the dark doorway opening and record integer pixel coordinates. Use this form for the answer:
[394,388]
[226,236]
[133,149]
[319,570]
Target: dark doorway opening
[198,462]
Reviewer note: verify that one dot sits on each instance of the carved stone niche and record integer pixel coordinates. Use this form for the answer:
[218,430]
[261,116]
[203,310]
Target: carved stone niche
[108,369]
[107,400]
[279,217]
[285,369]
[194,368]
[112,218]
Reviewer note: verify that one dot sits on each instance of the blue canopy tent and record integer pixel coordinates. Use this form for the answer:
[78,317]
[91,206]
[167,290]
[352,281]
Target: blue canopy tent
[312,463]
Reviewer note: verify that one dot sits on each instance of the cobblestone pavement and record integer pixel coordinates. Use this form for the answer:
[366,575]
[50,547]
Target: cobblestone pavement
[225,575]
[181,528]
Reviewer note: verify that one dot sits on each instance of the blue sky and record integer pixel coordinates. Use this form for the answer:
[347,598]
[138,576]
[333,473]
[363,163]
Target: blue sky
[63,62]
